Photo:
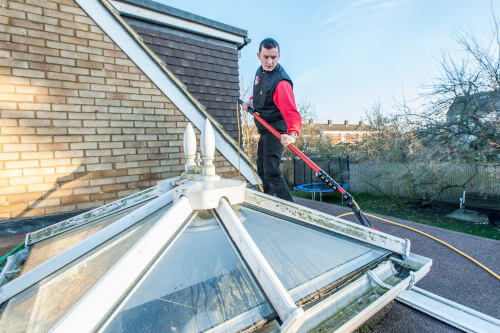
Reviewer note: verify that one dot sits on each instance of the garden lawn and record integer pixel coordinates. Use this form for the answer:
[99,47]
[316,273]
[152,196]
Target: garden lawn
[398,207]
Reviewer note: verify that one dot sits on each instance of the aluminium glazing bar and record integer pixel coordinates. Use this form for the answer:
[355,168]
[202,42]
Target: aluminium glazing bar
[267,278]
[92,309]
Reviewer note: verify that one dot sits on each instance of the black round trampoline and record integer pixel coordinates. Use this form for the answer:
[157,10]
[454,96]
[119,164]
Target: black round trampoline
[314,188]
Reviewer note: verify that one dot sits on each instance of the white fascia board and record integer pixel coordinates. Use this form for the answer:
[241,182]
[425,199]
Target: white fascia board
[328,222]
[62,259]
[92,309]
[138,54]
[168,20]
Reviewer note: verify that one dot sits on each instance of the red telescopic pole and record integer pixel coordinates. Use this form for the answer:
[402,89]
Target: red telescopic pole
[319,172]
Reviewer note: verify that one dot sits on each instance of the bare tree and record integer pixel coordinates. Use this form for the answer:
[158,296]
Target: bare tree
[462,113]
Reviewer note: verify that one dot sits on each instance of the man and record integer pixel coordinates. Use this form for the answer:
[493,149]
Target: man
[273,99]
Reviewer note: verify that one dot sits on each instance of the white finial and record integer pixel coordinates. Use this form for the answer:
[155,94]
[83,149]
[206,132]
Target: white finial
[189,147]
[208,149]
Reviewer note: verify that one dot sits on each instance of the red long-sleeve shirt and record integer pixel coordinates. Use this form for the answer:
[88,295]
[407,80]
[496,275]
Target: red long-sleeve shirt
[285,101]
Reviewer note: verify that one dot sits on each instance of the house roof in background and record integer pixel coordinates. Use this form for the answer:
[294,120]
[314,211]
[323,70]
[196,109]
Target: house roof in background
[342,128]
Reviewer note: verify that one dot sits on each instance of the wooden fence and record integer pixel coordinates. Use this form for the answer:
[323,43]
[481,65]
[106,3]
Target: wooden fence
[442,181]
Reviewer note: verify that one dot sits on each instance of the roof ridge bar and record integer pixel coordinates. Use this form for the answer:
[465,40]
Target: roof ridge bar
[91,310]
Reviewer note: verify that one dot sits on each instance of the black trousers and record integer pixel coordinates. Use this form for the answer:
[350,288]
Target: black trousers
[269,154]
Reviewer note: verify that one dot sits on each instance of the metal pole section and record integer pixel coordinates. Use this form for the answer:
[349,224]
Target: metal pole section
[268,280]
[326,178]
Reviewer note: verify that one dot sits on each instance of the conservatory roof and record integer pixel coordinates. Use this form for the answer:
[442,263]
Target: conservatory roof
[201,253]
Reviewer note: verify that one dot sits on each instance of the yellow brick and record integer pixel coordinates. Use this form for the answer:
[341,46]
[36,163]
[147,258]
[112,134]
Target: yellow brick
[43,35]
[43,50]
[46,202]
[58,14]
[19,147]
[33,106]
[99,166]
[68,153]
[37,155]
[34,123]
[9,139]
[55,162]
[16,97]
[60,209]
[40,187]
[25,180]
[38,171]
[10,173]
[17,130]
[69,169]
[8,122]
[12,189]
[21,164]
[36,139]
[9,156]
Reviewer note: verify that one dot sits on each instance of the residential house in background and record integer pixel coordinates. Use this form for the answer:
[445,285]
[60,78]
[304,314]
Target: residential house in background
[341,133]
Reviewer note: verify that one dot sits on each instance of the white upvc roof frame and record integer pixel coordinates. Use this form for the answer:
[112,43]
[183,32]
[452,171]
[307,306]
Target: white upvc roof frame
[327,222]
[265,275]
[92,215]
[38,273]
[91,310]
[104,14]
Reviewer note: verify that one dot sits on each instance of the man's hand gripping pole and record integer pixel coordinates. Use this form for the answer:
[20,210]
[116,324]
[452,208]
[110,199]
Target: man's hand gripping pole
[351,203]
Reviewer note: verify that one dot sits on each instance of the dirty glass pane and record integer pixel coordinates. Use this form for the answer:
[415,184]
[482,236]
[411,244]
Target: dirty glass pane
[305,258]
[197,283]
[46,249]
[39,307]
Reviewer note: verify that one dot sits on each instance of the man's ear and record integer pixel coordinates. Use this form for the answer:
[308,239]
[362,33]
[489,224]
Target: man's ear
[258,55]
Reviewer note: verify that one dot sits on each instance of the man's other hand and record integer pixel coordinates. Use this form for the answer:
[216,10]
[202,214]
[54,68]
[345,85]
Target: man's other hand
[247,105]
[287,139]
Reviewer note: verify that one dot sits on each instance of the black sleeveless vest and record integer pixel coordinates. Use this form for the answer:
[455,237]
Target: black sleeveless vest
[263,89]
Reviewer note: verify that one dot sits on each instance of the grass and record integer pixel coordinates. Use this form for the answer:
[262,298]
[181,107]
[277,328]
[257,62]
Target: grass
[398,207]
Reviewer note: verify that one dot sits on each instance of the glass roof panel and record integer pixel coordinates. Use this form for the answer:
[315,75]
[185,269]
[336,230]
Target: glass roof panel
[40,306]
[46,249]
[305,258]
[199,282]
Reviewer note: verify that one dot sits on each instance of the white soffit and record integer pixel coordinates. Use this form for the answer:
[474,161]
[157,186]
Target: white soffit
[165,19]
[136,51]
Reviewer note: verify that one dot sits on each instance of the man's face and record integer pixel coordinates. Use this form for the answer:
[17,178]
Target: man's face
[268,58]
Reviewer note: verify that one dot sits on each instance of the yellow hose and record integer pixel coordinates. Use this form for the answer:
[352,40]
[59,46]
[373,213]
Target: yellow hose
[431,237]
[248,149]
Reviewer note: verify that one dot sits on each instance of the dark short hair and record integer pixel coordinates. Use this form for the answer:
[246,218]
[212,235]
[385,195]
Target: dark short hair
[269,43]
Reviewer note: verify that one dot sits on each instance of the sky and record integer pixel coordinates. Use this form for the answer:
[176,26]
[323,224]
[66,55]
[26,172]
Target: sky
[346,55]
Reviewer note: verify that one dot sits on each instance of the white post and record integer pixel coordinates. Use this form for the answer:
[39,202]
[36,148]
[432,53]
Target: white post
[189,147]
[208,149]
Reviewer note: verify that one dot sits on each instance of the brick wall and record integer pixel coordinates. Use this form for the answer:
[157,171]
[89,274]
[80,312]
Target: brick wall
[81,125]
